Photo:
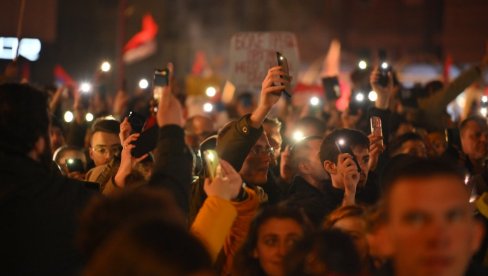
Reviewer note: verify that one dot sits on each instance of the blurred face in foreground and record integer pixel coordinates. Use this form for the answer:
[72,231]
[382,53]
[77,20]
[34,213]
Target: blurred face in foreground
[275,238]
[431,226]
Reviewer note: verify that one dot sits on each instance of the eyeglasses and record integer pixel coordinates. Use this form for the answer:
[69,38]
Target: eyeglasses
[113,149]
[259,150]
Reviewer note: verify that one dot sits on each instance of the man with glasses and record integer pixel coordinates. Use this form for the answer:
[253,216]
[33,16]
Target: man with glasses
[104,142]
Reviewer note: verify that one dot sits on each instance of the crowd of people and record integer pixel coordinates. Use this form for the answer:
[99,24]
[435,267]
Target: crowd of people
[134,192]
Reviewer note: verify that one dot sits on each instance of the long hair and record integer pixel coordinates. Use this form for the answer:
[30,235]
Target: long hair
[245,264]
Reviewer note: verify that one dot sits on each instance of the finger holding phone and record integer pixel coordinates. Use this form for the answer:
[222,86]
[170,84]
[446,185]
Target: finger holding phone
[127,161]
[169,108]
[226,184]
[348,169]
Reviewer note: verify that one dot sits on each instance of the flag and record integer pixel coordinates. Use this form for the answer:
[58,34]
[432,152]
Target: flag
[61,76]
[143,43]
[447,68]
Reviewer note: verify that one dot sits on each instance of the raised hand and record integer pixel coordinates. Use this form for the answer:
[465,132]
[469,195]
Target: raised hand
[127,161]
[376,147]
[227,183]
[348,171]
[169,108]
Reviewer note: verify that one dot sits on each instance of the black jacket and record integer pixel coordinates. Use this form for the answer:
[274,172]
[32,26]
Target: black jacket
[318,204]
[38,218]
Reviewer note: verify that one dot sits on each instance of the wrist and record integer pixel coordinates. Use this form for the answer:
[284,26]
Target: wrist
[258,116]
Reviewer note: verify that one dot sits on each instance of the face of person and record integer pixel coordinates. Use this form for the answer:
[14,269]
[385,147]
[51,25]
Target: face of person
[103,147]
[414,148]
[356,228]
[474,140]
[431,226]
[362,155]
[438,143]
[255,167]
[274,137]
[317,171]
[275,238]
[56,137]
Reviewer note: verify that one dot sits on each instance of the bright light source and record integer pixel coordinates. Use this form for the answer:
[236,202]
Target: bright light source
[28,48]
[89,117]
[143,84]
[484,111]
[207,107]
[314,101]
[210,156]
[373,96]
[341,142]
[68,116]
[362,64]
[105,67]
[484,99]
[359,97]
[70,161]
[85,87]
[210,91]
[298,136]
[384,65]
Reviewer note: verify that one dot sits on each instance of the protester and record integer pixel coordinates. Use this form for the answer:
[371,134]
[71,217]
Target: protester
[39,205]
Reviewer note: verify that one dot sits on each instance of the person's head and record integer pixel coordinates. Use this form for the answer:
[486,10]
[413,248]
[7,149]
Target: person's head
[63,154]
[104,141]
[272,233]
[429,220]
[24,122]
[56,137]
[245,104]
[329,153]
[272,128]
[328,252]
[408,143]
[310,126]
[473,134]
[197,129]
[305,160]
[103,215]
[351,220]
[255,167]
[437,143]
[151,247]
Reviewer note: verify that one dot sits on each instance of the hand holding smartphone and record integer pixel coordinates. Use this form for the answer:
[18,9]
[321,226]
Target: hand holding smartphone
[211,163]
[161,79]
[283,62]
[343,147]
[376,128]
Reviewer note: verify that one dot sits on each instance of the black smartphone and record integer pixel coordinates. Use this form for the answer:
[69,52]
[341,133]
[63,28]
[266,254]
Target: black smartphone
[146,142]
[74,165]
[136,121]
[384,68]
[453,138]
[161,77]
[331,88]
[344,147]
[283,62]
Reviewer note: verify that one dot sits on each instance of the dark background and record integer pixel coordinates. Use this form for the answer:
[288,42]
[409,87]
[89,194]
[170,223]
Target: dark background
[80,34]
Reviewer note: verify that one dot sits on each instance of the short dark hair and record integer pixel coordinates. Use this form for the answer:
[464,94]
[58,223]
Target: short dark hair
[313,122]
[354,138]
[408,167]
[398,142]
[23,117]
[106,125]
[275,122]
[477,119]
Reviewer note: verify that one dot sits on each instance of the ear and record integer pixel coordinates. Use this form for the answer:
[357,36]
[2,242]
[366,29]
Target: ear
[478,234]
[330,167]
[91,152]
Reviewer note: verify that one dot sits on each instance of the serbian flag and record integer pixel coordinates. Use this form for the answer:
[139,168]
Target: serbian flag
[62,77]
[143,43]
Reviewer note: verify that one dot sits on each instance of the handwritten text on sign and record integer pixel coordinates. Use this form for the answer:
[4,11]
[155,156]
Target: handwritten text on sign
[252,54]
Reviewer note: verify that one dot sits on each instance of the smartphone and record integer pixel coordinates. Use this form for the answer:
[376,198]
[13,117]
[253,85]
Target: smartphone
[384,68]
[136,121]
[376,129]
[75,165]
[146,142]
[331,88]
[211,163]
[283,62]
[161,79]
[343,147]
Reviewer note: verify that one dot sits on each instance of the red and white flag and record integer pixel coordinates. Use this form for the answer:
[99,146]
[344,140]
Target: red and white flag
[143,43]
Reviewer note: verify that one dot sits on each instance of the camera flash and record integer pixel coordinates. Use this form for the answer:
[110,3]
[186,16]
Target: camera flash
[105,67]
[210,91]
[68,116]
[372,96]
[298,136]
[85,87]
[359,97]
[143,84]
[362,65]
[384,65]
[314,101]
[207,107]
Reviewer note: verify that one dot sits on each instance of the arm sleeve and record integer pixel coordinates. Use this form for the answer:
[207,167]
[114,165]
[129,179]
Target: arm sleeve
[173,165]
[234,144]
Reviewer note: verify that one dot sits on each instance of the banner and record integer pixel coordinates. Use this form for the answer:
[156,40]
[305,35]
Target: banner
[252,54]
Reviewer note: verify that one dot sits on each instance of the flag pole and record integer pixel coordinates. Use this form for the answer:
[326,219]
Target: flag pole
[121,26]
[19,27]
